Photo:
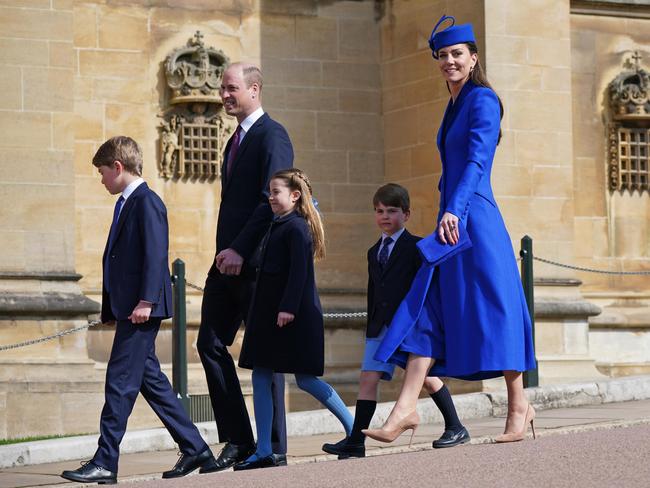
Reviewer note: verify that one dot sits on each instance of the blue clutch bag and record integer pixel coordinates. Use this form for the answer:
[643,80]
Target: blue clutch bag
[434,252]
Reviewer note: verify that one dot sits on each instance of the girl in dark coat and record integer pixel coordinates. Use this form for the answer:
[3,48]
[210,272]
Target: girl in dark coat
[284,331]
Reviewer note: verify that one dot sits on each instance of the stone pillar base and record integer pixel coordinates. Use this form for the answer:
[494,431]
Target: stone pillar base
[45,388]
[562,332]
[620,336]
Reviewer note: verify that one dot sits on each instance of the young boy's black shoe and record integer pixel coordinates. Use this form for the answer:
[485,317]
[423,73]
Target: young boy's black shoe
[344,449]
[451,438]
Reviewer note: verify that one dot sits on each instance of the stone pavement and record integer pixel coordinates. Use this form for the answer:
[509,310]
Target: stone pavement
[609,458]
[305,449]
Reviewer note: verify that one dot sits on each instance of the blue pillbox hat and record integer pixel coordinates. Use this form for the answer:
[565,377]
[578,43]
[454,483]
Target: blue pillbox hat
[454,34]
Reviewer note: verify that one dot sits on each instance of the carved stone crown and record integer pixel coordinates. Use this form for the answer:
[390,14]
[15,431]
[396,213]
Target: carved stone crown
[194,72]
[628,92]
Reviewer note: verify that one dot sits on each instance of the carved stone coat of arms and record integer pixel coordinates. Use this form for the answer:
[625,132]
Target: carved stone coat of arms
[193,130]
[628,121]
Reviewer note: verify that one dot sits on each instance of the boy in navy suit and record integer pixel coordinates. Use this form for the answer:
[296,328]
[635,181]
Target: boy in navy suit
[392,264]
[136,297]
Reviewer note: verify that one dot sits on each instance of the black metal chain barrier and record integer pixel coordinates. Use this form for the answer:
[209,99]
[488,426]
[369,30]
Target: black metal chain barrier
[50,337]
[328,315]
[591,270]
[192,285]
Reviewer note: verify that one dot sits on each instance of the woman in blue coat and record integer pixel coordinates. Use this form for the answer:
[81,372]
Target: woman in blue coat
[466,315]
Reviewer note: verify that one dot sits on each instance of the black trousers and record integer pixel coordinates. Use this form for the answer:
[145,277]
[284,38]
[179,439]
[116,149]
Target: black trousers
[134,368]
[226,300]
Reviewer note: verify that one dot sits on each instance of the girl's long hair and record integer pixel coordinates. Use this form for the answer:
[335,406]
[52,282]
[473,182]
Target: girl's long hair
[297,180]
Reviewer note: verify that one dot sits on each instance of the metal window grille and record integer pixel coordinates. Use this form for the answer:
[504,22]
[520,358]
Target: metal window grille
[633,157]
[200,151]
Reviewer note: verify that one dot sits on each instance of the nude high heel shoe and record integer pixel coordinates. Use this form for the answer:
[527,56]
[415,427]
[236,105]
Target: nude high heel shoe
[410,422]
[518,436]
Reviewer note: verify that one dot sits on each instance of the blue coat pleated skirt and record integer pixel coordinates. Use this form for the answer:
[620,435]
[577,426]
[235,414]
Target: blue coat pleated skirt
[466,309]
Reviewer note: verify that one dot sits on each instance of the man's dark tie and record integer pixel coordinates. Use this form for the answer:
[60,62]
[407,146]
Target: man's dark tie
[383,252]
[232,152]
[111,239]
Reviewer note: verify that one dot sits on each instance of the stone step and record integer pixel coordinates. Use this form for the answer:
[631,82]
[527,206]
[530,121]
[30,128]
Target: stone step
[567,368]
[43,371]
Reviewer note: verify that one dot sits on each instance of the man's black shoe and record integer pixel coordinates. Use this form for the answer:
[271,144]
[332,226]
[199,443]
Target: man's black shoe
[345,449]
[266,462]
[186,464]
[280,459]
[230,455]
[451,438]
[91,473]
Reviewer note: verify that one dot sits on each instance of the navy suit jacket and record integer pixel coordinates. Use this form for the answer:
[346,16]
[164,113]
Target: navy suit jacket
[388,286]
[139,262]
[245,213]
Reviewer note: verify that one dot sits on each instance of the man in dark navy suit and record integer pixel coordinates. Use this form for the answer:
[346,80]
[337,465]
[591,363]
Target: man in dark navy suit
[258,148]
[136,296]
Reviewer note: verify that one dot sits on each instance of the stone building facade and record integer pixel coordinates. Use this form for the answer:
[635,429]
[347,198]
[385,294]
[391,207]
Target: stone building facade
[354,83]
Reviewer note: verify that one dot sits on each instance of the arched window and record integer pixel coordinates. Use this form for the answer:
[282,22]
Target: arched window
[629,128]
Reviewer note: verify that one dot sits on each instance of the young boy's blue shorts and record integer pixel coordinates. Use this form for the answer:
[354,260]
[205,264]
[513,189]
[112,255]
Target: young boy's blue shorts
[371,364]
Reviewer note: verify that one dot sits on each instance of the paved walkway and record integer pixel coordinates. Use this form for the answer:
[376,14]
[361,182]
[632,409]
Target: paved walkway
[549,423]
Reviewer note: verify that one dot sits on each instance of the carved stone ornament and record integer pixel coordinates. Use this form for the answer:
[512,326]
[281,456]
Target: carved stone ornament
[194,128]
[628,131]
[628,92]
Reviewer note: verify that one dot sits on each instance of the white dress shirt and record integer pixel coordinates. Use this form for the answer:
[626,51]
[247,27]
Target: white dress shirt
[128,191]
[248,122]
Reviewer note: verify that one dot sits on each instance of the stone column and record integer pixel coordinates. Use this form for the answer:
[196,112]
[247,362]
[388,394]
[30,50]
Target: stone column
[39,294]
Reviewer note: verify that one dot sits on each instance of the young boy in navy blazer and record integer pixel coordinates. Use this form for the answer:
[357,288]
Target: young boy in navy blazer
[136,297]
[392,264]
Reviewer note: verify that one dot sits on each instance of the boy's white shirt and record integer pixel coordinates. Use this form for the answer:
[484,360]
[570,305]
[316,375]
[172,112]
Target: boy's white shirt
[128,191]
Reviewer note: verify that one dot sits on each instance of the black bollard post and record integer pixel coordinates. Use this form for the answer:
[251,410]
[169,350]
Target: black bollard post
[179,332]
[531,378]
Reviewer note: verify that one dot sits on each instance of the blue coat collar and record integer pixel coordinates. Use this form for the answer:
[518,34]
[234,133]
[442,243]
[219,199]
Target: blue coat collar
[453,107]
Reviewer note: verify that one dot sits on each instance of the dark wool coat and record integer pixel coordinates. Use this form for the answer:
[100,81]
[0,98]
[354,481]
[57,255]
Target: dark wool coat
[285,283]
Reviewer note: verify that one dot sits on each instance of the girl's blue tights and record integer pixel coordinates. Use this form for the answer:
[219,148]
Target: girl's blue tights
[263,403]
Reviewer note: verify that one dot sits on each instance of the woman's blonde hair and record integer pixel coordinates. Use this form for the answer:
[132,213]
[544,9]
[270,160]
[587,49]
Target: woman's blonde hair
[297,180]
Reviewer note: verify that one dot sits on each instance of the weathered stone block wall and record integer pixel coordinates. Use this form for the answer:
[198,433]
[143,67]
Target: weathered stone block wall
[120,89]
[612,229]
[528,54]
[321,66]
[322,81]
[36,178]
